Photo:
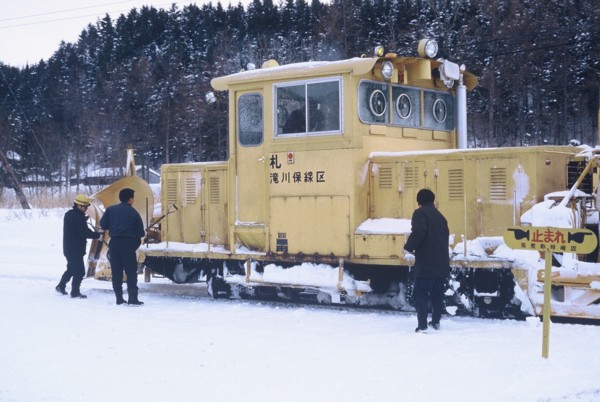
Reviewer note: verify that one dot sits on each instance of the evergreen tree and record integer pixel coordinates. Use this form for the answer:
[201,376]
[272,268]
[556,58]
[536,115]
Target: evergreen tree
[141,79]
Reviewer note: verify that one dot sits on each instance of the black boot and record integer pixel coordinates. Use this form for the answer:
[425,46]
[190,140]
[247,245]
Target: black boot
[62,284]
[61,290]
[133,298]
[119,296]
[76,286]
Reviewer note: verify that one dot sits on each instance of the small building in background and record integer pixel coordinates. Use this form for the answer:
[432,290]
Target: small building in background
[107,176]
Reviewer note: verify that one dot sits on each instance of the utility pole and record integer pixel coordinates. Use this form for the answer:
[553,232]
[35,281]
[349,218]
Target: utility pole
[12,178]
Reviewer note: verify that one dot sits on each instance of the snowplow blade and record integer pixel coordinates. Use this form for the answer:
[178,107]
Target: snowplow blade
[98,264]
[143,200]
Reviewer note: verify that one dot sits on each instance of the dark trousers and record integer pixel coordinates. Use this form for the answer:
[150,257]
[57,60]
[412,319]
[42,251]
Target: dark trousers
[122,258]
[428,290]
[75,270]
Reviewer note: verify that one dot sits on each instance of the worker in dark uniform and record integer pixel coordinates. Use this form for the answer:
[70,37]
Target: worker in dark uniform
[427,247]
[126,230]
[296,123]
[75,235]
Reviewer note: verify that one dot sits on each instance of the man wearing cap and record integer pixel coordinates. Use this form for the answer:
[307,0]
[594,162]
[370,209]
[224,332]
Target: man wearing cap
[427,247]
[126,230]
[75,235]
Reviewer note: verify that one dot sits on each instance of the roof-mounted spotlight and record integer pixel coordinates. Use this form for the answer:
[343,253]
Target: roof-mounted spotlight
[378,51]
[427,48]
[449,72]
[387,70]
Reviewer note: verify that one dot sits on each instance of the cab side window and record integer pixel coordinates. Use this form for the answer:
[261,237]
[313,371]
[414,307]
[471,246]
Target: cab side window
[308,108]
[250,120]
[291,109]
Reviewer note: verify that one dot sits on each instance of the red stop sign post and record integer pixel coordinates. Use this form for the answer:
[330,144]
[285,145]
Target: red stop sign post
[550,240]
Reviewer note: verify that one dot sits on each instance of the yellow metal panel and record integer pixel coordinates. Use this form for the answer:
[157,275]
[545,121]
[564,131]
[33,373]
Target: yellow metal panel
[310,225]
[200,193]
[386,202]
[252,236]
[182,188]
[442,135]
[497,185]
[419,70]
[412,177]
[378,245]
[375,129]
[495,194]
[216,205]
[319,172]
[453,187]
[408,132]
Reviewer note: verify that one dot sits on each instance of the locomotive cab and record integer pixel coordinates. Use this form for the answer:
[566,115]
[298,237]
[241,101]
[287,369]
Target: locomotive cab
[301,134]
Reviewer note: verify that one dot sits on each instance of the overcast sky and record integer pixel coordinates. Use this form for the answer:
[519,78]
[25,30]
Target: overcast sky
[31,30]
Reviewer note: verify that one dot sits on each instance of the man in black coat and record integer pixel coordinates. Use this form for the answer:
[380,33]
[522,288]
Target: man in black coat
[427,247]
[75,235]
[126,230]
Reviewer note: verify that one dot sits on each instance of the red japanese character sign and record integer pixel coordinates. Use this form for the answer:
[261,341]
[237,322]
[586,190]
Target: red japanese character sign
[556,240]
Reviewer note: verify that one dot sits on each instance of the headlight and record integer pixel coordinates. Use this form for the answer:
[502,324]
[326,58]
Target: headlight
[387,70]
[427,48]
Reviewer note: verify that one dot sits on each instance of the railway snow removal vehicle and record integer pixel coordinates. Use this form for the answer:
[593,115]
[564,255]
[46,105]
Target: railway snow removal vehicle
[315,199]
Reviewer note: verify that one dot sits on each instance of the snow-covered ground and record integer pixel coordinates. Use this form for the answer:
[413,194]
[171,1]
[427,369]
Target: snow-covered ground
[183,346]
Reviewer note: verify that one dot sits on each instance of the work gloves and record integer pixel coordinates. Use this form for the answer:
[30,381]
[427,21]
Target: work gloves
[409,257]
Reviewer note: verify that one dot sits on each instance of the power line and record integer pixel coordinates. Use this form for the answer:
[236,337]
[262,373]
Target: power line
[497,47]
[61,11]
[73,17]
[521,35]
[528,50]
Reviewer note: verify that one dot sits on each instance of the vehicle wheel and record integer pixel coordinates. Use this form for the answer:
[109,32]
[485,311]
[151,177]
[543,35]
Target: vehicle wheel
[218,288]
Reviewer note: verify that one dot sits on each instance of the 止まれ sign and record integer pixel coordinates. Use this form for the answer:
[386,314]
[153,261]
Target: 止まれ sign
[551,240]
[559,240]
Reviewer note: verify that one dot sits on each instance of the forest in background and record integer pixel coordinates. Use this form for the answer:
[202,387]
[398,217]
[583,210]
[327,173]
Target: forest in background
[141,80]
